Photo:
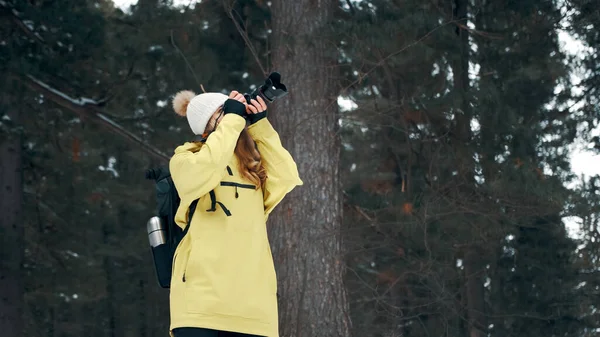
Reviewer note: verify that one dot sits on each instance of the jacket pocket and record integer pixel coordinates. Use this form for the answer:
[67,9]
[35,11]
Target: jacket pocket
[180,261]
[184,267]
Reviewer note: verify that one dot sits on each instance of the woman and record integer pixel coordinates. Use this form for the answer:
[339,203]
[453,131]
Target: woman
[224,282]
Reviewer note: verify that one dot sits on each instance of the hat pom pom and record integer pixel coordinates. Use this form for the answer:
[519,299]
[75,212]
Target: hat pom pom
[181,101]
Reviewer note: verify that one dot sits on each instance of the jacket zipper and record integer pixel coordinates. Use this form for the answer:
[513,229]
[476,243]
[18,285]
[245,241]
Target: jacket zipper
[173,268]
[236,185]
[232,184]
[185,263]
[184,270]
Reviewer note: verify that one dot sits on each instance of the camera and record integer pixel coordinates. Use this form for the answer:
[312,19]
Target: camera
[271,90]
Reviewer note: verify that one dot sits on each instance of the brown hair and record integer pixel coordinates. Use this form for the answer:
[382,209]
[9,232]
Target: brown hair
[250,161]
[251,165]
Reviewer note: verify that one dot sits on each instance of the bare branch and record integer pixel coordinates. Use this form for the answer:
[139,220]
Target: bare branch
[89,109]
[186,61]
[16,18]
[244,35]
[381,62]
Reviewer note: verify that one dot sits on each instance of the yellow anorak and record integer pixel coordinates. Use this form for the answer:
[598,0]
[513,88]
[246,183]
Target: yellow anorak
[223,273]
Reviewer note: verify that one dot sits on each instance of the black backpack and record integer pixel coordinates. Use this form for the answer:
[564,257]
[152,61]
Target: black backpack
[167,202]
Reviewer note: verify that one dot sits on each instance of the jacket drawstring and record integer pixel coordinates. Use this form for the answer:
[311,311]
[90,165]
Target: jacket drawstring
[214,202]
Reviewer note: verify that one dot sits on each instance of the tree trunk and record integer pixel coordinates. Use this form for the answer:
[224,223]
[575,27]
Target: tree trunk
[474,271]
[142,310]
[305,228]
[474,266]
[110,287]
[11,226]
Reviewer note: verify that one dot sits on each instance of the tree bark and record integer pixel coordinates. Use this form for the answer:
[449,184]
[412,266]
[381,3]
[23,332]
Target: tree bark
[11,227]
[305,228]
[473,261]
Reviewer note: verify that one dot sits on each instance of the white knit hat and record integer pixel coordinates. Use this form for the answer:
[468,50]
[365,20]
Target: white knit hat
[197,108]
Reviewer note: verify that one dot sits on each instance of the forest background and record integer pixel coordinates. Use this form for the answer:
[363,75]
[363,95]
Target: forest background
[450,151]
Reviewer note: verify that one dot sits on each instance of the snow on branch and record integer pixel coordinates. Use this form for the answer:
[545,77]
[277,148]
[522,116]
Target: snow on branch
[77,101]
[88,108]
[27,27]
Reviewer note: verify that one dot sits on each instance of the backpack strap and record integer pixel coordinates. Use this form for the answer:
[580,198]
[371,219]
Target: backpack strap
[190,215]
[214,202]
[213,198]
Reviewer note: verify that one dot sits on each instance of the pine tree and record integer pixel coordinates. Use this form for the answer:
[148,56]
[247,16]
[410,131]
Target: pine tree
[445,158]
[28,47]
[583,19]
[452,164]
[11,206]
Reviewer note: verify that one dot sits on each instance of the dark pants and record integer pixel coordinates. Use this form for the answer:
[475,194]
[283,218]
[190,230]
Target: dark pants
[197,332]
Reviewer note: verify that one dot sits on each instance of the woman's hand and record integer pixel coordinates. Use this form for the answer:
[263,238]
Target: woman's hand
[256,106]
[236,103]
[237,96]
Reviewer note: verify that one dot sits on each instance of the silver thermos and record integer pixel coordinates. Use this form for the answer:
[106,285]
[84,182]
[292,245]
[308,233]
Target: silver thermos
[157,234]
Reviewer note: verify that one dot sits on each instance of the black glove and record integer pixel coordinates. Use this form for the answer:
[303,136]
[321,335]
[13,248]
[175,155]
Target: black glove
[253,118]
[232,106]
[257,109]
